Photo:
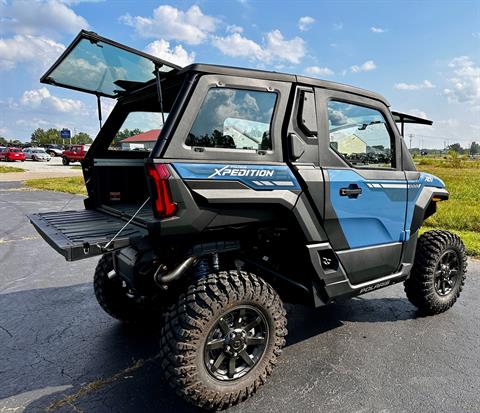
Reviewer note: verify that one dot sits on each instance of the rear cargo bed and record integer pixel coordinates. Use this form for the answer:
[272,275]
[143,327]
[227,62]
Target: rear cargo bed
[83,234]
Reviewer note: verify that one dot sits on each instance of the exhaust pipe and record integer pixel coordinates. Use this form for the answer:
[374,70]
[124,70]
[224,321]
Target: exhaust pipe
[162,279]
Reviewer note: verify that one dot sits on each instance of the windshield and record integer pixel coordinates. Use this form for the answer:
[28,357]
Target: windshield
[38,151]
[97,65]
[15,150]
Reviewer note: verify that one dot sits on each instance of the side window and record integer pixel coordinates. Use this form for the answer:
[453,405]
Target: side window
[234,119]
[360,135]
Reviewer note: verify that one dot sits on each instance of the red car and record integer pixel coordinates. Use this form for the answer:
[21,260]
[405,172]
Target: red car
[12,154]
[74,153]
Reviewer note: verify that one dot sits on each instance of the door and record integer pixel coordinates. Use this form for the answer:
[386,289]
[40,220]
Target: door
[366,189]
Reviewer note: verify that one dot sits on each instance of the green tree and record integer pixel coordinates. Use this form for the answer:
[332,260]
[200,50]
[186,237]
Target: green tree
[456,147]
[38,135]
[43,137]
[53,136]
[82,137]
[3,141]
[474,148]
[15,142]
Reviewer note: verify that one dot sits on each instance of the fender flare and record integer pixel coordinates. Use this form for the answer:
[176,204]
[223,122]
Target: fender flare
[426,205]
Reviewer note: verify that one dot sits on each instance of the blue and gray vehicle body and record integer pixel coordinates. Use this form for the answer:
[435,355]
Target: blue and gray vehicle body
[296,212]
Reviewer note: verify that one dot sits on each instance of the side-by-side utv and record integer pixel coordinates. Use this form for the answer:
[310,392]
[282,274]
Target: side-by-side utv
[239,190]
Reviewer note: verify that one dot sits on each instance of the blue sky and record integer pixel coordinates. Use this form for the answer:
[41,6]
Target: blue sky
[424,57]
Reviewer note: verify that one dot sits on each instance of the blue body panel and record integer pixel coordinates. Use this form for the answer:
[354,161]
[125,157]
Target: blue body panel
[257,177]
[377,216]
[382,213]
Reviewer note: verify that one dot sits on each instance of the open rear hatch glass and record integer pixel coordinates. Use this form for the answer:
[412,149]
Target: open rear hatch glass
[85,233]
[100,66]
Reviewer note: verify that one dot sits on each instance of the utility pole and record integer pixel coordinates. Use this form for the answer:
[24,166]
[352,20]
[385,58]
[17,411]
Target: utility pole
[411,137]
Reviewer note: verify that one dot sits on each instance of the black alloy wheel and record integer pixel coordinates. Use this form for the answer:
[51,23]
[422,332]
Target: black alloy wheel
[446,273]
[236,343]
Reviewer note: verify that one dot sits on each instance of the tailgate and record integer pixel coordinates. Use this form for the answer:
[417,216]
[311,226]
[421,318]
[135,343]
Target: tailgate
[83,234]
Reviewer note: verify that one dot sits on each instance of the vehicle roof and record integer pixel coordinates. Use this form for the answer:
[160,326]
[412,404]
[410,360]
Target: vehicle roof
[278,76]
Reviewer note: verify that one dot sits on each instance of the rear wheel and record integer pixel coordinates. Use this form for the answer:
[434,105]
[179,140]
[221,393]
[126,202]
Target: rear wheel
[65,161]
[222,339]
[438,274]
[118,300]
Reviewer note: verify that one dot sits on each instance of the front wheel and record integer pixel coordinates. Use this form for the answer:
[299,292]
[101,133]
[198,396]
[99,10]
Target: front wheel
[438,273]
[65,161]
[222,339]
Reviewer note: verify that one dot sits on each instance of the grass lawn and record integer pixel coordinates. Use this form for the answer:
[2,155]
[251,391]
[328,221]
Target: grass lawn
[76,167]
[71,185]
[461,213]
[7,169]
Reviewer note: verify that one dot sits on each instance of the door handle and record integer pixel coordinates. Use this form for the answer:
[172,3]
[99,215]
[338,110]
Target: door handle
[353,191]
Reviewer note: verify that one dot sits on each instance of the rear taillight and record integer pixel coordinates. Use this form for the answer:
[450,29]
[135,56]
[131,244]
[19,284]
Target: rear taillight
[163,204]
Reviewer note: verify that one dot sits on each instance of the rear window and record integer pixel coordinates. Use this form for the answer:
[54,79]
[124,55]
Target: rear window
[234,119]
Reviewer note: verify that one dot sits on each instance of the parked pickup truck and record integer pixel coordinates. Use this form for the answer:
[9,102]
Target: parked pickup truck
[74,153]
[261,188]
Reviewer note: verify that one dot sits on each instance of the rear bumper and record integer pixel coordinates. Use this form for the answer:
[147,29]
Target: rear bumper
[82,234]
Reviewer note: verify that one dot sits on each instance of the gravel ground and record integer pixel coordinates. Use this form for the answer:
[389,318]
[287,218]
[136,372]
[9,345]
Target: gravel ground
[61,352]
[34,169]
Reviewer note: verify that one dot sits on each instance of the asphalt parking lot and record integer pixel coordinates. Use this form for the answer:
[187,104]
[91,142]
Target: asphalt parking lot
[61,353]
[35,169]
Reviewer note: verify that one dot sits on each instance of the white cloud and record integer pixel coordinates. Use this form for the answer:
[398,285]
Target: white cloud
[81,1]
[39,18]
[374,29]
[365,67]
[161,48]
[419,113]
[234,29]
[275,47]
[290,50]
[319,71]
[236,45]
[170,23]
[26,49]
[426,84]
[464,83]
[42,98]
[305,23]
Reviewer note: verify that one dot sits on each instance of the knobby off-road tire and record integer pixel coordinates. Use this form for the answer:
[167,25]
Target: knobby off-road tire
[115,299]
[438,273]
[208,312]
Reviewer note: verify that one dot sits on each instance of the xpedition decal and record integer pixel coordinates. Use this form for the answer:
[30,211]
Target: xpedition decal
[228,170]
[258,177]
